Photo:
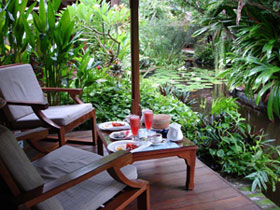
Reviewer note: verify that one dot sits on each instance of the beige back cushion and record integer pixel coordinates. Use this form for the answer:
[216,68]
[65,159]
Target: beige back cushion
[21,168]
[19,83]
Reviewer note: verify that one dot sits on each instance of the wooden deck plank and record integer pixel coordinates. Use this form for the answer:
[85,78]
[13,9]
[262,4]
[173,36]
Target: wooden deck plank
[167,179]
[230,203]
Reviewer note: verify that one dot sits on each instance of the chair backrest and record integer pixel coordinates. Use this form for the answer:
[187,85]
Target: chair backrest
[17,170]
[19,83]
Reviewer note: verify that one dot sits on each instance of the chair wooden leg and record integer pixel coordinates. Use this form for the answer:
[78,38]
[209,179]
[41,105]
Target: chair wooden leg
[93,128]
[61,137]
[143,201]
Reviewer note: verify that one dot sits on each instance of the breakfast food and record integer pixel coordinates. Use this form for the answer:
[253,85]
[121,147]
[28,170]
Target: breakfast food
[128,147]
[117,124]
[131,146]
[121,134]
[120,147]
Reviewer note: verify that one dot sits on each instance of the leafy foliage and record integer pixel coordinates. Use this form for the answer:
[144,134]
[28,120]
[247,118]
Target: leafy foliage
[248,32]
[104,29]
[227,105]
[204,54]
[14,22]
[40,39]
[54,42]
[182,95]
[230,145]
[163,32]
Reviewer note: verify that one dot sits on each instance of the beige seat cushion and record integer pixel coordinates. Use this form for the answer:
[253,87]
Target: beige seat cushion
[19,83]
[89,194]
[21,168]
[62,115]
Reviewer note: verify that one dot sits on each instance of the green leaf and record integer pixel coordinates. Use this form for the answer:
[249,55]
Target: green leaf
[29,34]
[276,97]
[36,21]
[220,153]
[23,6]
[266,75]
[56,4]
[268,48]
[30,9]
[261,92]
[42,16]
[66,26]
[212,152]
[257,70]
[51,18]
[270,107]
[256,183]
[201,31]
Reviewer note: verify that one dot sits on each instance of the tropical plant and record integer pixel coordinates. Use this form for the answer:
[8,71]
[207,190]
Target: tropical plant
[228,144]
[14,31]
[163,41]
[182,95]
[224,104]
[253,53]
[104,29]
[256,63]
[204,54]
[53,44]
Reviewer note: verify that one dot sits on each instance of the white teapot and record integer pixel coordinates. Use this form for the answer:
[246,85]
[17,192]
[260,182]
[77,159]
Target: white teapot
[175,132]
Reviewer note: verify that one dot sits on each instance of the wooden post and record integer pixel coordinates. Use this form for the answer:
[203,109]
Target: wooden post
[134,31]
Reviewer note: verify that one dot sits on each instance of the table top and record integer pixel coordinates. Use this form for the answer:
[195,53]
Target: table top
[184,144]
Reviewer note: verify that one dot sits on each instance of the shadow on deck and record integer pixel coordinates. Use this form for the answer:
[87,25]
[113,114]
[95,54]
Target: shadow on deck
[167,178]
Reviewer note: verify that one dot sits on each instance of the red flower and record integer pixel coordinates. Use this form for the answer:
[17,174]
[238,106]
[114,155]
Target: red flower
[98,67]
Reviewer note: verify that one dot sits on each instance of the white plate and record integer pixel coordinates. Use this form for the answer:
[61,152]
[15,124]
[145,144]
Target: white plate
[114,146]
[127,135]
[109,126]
[159,143]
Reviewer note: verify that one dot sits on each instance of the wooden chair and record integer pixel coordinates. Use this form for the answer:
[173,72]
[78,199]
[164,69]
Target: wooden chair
[28,109]
[33,137]
[69,178]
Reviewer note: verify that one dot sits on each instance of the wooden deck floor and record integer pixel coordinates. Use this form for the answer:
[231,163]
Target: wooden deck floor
[167,178]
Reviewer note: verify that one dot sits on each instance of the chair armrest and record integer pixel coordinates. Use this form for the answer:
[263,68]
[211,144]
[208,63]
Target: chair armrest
[35,132]
[37,107]
[73,92]
[37,195]
[34,105]
[76,91]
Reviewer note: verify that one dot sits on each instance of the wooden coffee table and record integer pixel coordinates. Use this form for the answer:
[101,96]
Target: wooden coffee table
[186,150]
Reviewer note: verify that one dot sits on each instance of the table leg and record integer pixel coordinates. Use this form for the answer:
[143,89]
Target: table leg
[101,142]
[189,158]
[100,149]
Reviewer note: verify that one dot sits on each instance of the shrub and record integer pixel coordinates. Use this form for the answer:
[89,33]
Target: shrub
[104,29]
[204,54]
[228,144]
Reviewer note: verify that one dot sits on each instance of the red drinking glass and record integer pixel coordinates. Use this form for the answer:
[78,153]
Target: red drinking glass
[134,125]
[148,116]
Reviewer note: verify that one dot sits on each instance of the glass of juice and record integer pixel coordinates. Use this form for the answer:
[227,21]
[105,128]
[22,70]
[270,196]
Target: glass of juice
[134,121]
[148,118]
